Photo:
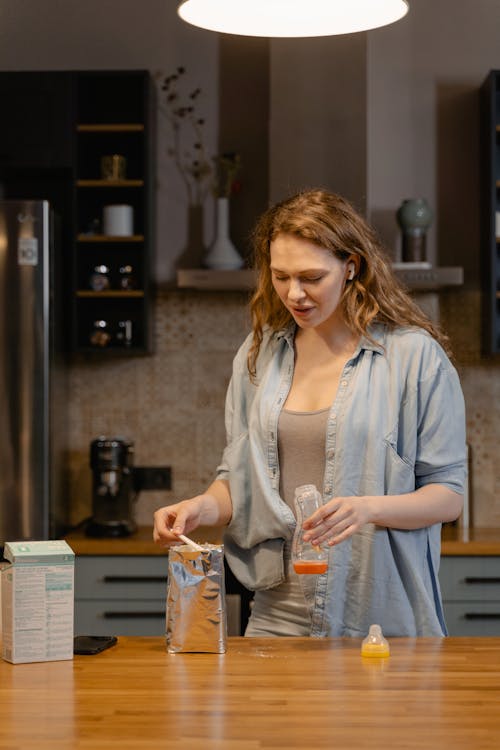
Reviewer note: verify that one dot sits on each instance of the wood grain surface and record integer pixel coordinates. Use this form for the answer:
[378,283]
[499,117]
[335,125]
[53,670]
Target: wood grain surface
[139,543]
[274,693]
[455,541]
[476,541]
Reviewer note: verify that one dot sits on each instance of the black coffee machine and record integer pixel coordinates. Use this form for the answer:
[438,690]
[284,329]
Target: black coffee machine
[113,491]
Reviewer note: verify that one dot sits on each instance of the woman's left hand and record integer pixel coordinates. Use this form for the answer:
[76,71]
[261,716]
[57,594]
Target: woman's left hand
[337,520]
[341,517]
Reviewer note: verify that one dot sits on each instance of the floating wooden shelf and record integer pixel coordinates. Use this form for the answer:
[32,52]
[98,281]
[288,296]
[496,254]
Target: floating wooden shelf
[110,293]
[426,279]
[110,238]
[111,351]
[430,279]
[199,278]
[110,128]
[110,183]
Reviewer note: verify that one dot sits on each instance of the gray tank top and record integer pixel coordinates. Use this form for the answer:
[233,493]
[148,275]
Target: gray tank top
[301,450]
[282,610]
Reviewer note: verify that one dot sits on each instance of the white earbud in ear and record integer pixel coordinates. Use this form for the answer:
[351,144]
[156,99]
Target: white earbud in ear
[350,275]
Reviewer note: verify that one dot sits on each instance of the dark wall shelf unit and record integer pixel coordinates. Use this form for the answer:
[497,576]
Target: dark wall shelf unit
[490,210]
[113,117]
[55,129]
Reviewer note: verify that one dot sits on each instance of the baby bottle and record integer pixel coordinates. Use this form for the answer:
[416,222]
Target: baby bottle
[307,557]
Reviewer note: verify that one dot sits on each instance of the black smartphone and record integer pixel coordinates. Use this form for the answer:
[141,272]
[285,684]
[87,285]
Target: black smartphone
[92,644]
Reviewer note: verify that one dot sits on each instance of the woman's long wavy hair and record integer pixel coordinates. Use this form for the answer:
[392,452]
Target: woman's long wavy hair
[331,222]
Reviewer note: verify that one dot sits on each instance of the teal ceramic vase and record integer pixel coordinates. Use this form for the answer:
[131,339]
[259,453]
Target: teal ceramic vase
[414,217]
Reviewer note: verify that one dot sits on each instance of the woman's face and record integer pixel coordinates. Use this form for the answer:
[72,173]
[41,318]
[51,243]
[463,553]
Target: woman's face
[308,279]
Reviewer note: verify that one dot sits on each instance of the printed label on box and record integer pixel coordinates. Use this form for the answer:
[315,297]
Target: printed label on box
[38,601]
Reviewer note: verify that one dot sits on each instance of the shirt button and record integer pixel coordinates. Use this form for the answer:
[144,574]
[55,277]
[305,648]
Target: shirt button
[344,383]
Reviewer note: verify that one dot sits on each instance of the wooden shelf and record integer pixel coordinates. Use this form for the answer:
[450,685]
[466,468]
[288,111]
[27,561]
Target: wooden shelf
[111,128]
[110,238]
[200,278]
[109,293]
[113,351]
[417,279]
[430,279]
[110,183]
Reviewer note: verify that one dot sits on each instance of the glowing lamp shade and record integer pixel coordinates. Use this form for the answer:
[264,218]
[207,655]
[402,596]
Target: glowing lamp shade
[291,18]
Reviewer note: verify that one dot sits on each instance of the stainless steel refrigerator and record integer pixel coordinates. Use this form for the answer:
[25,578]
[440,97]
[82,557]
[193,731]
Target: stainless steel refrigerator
[33,375]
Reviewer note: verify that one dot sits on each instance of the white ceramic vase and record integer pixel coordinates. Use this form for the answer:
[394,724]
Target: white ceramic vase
[222,254]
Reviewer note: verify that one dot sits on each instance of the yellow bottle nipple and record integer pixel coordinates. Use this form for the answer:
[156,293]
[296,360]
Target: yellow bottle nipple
[375,644]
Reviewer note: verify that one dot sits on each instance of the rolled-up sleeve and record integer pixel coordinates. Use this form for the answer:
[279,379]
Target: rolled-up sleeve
[441,450]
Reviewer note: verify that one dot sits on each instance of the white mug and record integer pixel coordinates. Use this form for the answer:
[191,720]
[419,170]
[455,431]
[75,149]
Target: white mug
[118,220]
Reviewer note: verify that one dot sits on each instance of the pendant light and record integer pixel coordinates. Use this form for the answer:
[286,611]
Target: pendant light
[291,18]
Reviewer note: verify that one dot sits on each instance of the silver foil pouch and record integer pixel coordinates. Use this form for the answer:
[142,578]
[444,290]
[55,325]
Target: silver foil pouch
[196,600]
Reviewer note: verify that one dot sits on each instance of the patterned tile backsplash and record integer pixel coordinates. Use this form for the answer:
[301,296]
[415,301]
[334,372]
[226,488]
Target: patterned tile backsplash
[171,404]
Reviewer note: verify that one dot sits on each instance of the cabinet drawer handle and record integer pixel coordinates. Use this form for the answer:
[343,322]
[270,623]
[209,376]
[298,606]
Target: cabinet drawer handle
[482,615]
[482,579]
[134,579]
[132,615]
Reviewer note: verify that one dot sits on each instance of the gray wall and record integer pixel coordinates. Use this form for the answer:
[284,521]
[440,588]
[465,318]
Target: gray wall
[380,117]
[423,117]
[120,34]
[319,116]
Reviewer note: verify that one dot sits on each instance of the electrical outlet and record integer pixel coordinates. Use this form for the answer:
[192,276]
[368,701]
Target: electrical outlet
[152,478]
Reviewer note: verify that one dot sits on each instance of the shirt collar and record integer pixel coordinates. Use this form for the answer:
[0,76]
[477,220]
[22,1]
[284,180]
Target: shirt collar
[377,332]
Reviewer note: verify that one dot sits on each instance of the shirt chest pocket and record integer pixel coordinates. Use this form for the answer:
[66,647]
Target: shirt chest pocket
[399,473]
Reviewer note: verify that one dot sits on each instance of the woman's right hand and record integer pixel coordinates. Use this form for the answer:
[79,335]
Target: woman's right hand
[176,519]
[212,508]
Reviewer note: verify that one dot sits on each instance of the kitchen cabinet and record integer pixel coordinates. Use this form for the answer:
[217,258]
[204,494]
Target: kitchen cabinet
[120,595]
[36,124]
[490,210]
[126,595]
[470,587]
[55,129]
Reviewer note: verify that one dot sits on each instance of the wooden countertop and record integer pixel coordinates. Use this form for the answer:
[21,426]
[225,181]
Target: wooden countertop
[477,541]
[140,543]
[455,542]
[269,693]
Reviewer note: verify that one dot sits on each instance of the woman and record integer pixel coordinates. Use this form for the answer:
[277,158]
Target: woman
[345,384]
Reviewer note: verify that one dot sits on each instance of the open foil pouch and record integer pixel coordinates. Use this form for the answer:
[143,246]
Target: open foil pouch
[196,606]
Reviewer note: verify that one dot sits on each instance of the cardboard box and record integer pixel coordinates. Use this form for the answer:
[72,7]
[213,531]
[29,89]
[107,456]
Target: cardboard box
[38,601]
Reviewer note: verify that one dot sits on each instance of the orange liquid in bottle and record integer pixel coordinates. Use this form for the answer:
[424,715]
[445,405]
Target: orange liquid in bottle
[310,566]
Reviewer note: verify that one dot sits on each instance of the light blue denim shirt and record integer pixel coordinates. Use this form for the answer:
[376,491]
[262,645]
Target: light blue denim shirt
[397,424]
